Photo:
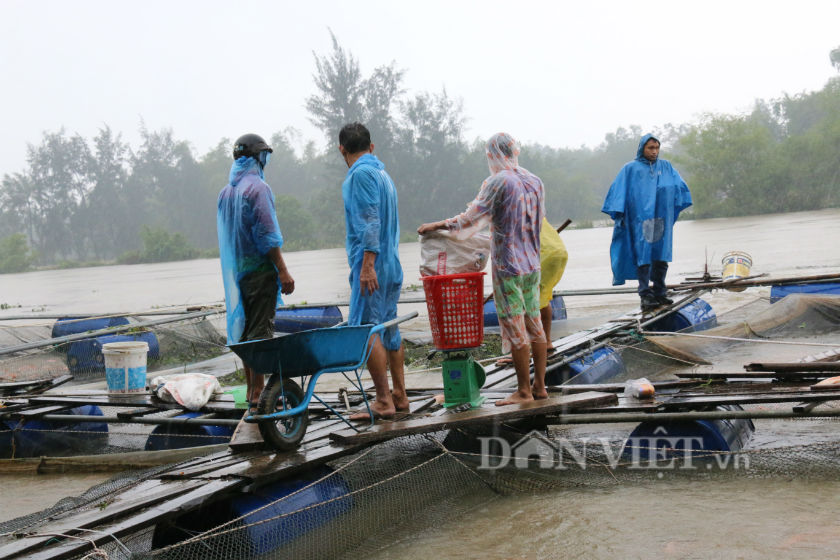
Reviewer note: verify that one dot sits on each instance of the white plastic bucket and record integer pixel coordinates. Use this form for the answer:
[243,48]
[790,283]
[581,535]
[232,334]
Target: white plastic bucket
[125,366]
[736,264]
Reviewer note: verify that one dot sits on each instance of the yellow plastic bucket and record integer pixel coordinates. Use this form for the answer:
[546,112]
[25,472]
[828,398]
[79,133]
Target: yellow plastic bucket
[736,264]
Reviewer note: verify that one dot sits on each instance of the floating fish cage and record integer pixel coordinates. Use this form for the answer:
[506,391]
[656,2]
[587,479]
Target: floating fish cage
[37,437]
[558,311]
[665,440]
[697,315]
[86,355]
[828,288]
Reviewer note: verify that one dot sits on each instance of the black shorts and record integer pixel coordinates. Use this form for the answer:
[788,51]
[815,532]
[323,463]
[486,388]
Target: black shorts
[259,299]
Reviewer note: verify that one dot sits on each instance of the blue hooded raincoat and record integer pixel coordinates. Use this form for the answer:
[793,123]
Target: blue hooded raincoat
[370,211]
[644,200]
[247,227]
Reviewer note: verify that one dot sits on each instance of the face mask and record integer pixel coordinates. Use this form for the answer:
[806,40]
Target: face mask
[265,156]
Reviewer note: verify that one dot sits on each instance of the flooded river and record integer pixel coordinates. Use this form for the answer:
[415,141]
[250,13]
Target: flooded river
[737,517]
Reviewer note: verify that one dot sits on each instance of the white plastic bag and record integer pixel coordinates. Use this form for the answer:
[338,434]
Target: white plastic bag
[190,390]
[639,389]
[448,252]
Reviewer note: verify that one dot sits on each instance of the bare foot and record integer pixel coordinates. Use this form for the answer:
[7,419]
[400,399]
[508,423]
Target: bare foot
[516,398]
[401,402]
[539,394]
[379,411]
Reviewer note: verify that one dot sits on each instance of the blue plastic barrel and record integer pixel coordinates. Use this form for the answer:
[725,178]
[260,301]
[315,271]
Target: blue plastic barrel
[696,316]
[265,537]
[558,311]
[827,288]
[596,367]
[178,436]
[303,319]
[86,355]
[696,435]
[75,325]
[43,437]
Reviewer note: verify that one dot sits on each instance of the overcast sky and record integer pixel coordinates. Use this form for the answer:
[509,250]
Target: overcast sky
[553,72]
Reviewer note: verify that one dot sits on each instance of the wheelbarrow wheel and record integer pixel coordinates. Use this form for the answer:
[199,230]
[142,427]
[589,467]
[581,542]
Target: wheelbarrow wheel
[282,394]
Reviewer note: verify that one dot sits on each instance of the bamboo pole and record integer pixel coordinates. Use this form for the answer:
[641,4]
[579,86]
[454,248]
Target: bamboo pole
[616,417]
[74,418]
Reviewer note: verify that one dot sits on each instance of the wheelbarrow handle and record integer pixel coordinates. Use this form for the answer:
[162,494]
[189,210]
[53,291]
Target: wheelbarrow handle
[392,322]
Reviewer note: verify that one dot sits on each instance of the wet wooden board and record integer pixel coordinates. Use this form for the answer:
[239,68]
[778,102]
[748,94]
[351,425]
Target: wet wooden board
[246,437]
[624,405]
[792,375]
[143,495]
[72,548]
[30,387]
[483,415]
[134,401]
[793,366]
[29,413]
[617,387]
[268,467]
[209,464]
[717,400]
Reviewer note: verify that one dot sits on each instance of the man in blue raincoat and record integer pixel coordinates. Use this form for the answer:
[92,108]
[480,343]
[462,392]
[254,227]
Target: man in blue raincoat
[249,250]
[373,231]
[645,200]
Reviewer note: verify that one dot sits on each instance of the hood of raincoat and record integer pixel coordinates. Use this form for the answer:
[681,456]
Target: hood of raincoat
[640,150]
[242,167]
[502,152]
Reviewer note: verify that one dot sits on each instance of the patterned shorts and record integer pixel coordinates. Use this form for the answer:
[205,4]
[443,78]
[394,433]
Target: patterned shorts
[518,305]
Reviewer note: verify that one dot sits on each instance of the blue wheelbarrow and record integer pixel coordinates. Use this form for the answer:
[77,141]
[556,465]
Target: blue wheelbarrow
[283,406]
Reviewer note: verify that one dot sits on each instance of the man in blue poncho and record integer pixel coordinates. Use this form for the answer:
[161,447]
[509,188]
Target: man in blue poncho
[249,250]
[645,200]
[373,232]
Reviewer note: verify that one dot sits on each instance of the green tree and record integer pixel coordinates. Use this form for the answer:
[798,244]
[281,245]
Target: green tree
[58,184]
[160,245]
[340,86]
[297,224]
[15,255]
[735,167]
[107,211]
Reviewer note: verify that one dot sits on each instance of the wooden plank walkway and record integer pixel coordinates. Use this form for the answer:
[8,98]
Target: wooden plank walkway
[482,415]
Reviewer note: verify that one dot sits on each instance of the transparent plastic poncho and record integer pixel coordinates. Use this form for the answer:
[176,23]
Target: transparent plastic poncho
[513,200]
[247,227]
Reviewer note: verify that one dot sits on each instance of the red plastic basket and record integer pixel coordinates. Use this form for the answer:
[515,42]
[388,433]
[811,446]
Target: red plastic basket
[456,309]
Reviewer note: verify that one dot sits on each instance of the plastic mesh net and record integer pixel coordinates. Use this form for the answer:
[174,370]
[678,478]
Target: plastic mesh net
[172,344]
[362,505]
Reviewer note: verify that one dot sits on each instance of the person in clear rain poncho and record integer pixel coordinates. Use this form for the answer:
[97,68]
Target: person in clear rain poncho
[249,251]
[514,201]
[373,234]
[645,200]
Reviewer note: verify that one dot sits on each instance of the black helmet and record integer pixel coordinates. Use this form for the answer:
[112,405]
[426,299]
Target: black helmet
[250,145]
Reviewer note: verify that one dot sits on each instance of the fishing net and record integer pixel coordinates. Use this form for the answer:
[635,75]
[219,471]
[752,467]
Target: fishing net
[419,485]
[192,344]
[177,343]
[794,315]
[393,494]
